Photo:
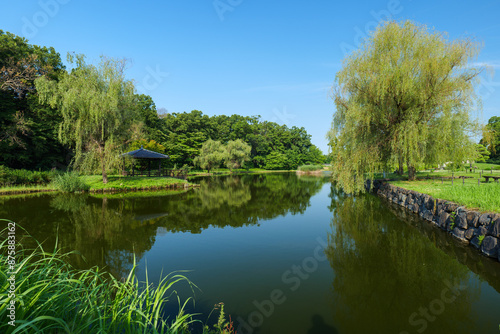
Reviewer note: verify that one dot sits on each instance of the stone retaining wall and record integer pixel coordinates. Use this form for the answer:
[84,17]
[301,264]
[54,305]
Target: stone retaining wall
[482,231]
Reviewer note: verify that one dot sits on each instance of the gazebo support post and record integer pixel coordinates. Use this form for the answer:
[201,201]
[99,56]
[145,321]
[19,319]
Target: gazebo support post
[149,168]
[133,168]
[159,169]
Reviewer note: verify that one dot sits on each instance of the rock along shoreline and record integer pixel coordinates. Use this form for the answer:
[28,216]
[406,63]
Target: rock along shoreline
[479,230]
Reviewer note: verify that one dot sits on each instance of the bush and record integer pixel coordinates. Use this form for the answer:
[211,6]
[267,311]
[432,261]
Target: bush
[310,168]
[22,176]
[70,182]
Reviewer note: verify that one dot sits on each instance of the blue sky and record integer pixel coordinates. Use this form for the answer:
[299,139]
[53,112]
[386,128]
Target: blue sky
[276,59]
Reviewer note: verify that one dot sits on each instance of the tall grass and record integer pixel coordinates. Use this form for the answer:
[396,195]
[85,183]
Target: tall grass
[53,297]
[70,182]
[310,168]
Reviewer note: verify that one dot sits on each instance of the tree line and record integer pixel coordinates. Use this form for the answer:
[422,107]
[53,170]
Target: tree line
[51,116]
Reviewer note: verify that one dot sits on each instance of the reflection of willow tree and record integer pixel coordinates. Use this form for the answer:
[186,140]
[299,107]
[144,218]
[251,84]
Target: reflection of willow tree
[235,201]
[230,191]
[101,231]
[385,271]
[229,201]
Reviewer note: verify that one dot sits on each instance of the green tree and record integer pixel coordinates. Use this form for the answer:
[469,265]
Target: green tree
[491,139]
[237,153]
[185,133]
[28,130]
[276,161]
[151,145]
[212,155]
[403,98]
[482,153]
[147,110]
[97,108]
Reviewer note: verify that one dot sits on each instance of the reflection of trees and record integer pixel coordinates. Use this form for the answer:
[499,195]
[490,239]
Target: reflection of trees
[217,192]
[385,271]
[108,231]
[101,230]
[238,201]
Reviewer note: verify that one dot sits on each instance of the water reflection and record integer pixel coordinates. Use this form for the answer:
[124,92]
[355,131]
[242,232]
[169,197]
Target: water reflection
[108,230]
[389,278]
[320,327]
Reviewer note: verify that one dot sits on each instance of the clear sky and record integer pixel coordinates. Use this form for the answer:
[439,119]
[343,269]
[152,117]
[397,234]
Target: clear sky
[276,59]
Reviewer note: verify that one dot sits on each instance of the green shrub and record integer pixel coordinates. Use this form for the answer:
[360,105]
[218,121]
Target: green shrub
[310,168]
[70,182]
[10,176]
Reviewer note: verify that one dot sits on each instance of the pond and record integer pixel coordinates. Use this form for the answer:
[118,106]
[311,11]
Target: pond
[285,254]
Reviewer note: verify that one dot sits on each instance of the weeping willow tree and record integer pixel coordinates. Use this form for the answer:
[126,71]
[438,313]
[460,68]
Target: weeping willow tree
[404,98]
[97,108]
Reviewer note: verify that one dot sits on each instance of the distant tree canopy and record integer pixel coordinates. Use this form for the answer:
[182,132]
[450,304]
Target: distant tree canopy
[186,132]
[404,97]
[31,116]
[491,139]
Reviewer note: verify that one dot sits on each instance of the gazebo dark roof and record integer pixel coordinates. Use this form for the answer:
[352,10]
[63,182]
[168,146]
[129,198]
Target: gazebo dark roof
[145,154]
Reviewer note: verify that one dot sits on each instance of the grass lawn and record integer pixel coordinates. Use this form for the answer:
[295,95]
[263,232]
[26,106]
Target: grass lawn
[131,182]
[22,189]
[483,197]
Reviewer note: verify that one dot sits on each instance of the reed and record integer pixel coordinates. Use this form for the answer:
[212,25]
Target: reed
[309,168]
[53,297]
[70,182]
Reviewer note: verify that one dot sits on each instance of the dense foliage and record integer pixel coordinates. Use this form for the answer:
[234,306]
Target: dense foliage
[404,97]
[98,110]
[28,130]
[9,177]
[84,114]
[273,146]
[492,139]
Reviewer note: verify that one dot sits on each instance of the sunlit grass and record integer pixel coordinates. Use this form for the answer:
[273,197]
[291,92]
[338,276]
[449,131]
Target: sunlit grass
[131,182]
[25,189]
[484,197]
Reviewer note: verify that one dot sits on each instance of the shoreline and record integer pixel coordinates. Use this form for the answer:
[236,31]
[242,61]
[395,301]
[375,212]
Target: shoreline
[471,227]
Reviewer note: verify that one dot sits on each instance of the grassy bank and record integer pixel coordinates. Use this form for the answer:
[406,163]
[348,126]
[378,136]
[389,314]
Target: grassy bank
[132,183]
[115,183]
[25,189]
[473,191]
[485,197]
[52,297]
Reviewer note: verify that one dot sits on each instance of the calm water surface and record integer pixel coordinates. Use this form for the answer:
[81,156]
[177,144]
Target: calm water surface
[285,254]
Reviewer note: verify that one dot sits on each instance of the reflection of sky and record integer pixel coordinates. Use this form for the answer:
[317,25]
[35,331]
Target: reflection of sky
[241,265]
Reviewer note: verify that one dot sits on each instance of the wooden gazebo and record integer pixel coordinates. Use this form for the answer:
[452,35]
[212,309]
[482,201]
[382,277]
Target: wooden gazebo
[142,153]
